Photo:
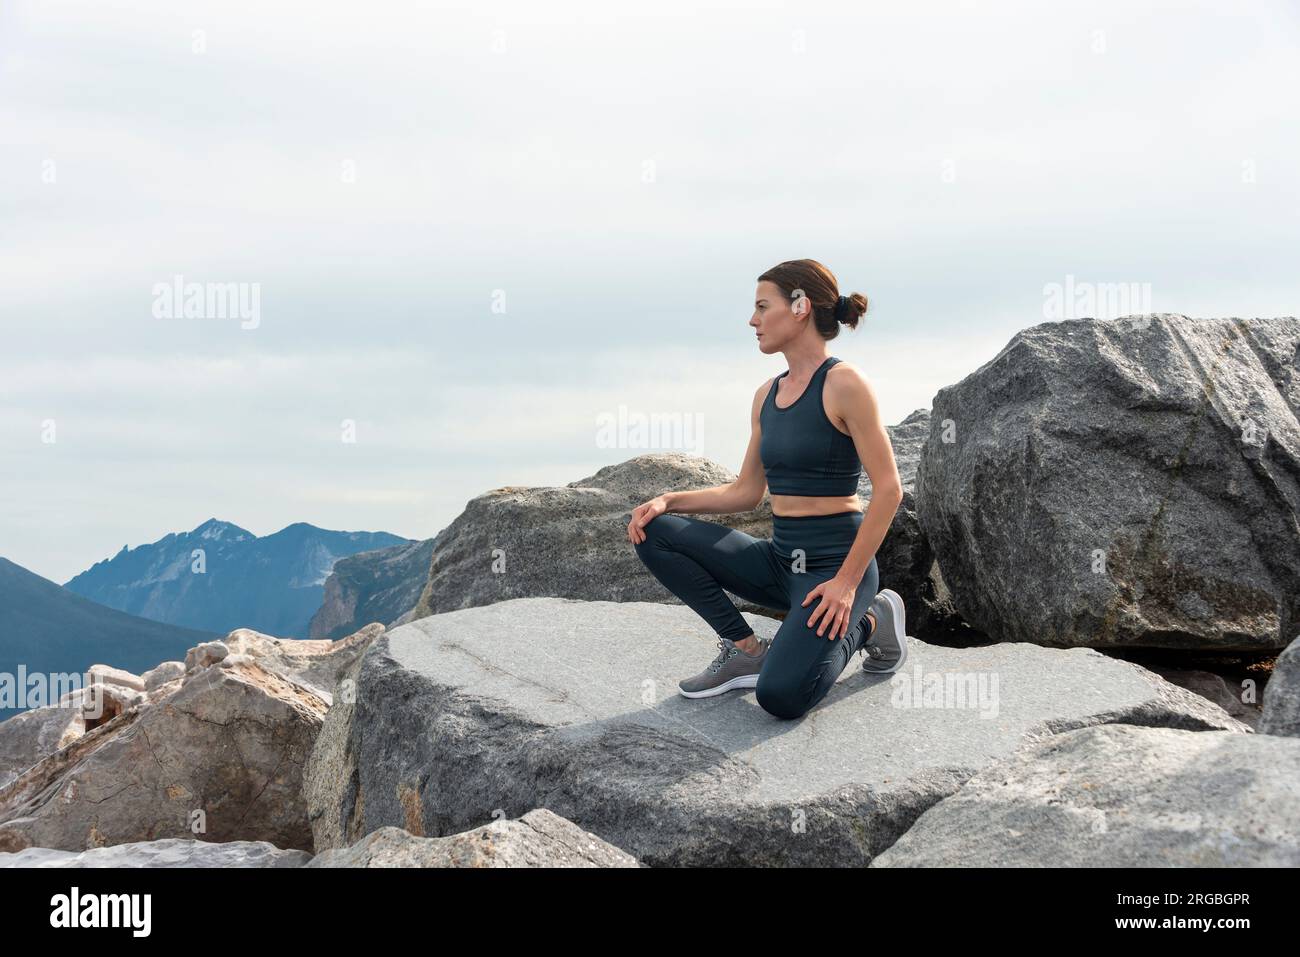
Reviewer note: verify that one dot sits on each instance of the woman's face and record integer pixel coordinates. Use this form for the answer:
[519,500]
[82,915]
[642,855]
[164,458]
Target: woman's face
[775,325]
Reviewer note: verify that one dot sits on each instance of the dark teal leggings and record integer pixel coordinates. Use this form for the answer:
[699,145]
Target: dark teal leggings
[696,560]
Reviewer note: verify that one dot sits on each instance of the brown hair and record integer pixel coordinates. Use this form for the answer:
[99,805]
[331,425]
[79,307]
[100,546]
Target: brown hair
[822,290]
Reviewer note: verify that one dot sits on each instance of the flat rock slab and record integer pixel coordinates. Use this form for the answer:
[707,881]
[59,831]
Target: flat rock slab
[573,706]
[1120,796]
[169,852]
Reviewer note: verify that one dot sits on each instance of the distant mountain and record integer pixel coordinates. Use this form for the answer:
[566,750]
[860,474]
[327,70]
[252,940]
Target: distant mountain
[272,584]
[377,586]
[47,629]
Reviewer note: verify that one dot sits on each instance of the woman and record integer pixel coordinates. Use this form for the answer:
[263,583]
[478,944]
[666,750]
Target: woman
[814,427]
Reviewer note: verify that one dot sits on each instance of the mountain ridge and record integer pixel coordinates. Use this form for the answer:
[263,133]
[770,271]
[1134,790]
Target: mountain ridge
[220,576]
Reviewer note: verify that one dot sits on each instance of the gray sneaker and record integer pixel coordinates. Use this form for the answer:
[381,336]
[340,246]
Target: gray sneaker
[732,669]
[886,649]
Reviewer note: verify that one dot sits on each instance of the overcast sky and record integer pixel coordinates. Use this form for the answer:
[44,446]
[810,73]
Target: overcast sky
[616,176]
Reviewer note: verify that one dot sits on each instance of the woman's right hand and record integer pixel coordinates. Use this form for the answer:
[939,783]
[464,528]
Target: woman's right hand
[642,514]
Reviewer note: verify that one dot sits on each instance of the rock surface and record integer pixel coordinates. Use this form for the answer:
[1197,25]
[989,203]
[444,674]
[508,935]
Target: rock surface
[28,737]
[35,734]
[168,852]
[1123,483]
[106,674]
[229,744]
[330,778]
[162,674]
[226,740]
[1281,699]
[1120,796]
[538,839]
[380,585]
[568,541]
[318,664]
[103,702]
[573,706]
[207,654]
[1215,687]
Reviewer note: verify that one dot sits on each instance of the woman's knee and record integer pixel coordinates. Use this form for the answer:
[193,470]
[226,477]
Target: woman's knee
[655,531]
[660,530]
[780,697]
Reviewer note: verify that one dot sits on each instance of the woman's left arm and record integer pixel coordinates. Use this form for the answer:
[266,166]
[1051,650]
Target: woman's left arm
[853,400]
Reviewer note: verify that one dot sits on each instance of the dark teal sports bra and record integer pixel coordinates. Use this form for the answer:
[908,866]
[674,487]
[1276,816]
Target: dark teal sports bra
[802,452]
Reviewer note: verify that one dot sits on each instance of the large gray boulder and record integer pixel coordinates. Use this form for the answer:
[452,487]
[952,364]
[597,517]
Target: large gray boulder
[573,706]
[168,852]
[568,541]
[1281,695]
[538,839]
[1116,795]
[1123,483]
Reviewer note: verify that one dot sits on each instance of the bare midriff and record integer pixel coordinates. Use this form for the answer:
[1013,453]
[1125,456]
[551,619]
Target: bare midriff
[795,506]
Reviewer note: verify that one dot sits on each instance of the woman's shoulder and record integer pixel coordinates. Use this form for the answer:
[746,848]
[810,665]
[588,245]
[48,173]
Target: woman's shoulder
[847,386]
[844,371]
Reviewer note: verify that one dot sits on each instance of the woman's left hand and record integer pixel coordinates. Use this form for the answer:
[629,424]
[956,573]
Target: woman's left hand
[835,608]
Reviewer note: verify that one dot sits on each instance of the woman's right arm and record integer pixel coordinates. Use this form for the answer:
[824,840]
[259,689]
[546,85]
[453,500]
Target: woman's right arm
[740,495]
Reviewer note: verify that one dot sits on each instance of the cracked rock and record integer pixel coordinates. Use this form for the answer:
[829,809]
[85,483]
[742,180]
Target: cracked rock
[572,706]
[1126,483]
[225,750]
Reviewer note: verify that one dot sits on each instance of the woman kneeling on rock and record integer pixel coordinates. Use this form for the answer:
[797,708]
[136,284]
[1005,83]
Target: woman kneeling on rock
[813,429]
